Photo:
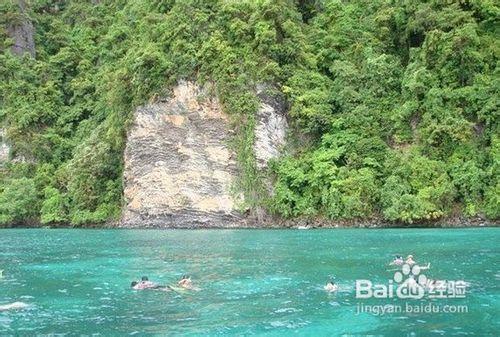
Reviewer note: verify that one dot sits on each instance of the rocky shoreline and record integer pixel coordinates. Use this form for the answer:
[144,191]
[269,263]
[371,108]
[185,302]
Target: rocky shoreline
[190,222]
[449,222]
[289,224]
[302,223]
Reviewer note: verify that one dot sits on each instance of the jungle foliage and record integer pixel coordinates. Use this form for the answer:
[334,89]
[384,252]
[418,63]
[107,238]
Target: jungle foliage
[395,102]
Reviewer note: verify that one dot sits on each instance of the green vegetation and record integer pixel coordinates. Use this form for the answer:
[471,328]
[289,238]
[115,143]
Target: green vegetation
[398,101]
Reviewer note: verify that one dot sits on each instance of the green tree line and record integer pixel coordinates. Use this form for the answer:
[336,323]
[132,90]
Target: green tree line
[393,103]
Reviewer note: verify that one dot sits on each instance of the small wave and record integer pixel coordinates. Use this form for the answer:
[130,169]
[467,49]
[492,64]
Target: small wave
[441,332]
[278,324]
[185,319]
[27,297]
[288,310]
[288,325]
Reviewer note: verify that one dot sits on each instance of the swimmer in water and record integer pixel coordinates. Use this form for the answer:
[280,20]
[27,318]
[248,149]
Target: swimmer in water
[409,260]
[398,261]
[186,283]
[330,287]
[145,283]
[13,306]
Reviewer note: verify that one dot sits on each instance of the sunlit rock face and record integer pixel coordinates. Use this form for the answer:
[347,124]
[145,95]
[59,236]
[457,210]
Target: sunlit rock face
[179,170]
[4,148]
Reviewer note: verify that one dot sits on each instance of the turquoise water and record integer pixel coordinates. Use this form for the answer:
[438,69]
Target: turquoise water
[253,281]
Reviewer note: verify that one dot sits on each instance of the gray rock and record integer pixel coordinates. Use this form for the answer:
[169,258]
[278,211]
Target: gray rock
[270,130]
[4,148]
[179,169]
[22,32]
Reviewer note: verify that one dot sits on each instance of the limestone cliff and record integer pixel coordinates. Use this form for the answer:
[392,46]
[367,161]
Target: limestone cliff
[4,148]
[179,167]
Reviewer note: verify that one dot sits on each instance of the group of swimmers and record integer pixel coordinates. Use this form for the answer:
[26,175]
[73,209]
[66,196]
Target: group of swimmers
[427,283]
[398,260]
[185,283]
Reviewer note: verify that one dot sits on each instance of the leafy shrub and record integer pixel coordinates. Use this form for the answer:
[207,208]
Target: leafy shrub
[18,202]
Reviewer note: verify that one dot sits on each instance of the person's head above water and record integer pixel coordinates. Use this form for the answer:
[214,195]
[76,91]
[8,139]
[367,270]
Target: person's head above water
[144,278]
[133,284]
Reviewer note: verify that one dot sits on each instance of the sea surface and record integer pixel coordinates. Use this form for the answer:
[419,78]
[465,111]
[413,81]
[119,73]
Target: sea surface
[253,282]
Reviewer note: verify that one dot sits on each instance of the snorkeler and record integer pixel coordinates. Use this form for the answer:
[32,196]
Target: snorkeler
[398,261]
[330,287]
[186,283]
[409,260]
[145,283]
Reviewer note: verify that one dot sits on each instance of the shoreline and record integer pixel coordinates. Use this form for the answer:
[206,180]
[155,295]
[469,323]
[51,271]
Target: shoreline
[303,223]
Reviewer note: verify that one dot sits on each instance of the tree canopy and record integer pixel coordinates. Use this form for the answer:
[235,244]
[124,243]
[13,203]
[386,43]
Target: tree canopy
[393,104]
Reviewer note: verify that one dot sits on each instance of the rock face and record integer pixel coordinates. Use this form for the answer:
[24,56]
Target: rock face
[271,127]
[179,168]
[4,148]
[22,32]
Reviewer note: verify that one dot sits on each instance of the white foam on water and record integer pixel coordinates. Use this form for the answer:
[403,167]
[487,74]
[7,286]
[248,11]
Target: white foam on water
[287,310]
[13,306]
[27,297]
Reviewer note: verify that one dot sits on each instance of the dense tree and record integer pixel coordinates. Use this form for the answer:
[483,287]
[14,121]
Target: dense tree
[19,202]
[393,104]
